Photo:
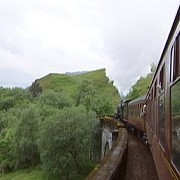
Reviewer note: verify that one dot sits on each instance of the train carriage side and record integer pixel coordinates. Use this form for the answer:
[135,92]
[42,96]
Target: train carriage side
[136,111]
[163,108]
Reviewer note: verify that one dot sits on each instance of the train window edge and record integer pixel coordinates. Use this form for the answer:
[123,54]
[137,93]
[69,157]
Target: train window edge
[175,56]
[161,119]
[175,123]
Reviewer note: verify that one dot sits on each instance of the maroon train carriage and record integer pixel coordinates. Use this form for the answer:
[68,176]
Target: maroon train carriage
[132,114]
[136,111]
[163,108]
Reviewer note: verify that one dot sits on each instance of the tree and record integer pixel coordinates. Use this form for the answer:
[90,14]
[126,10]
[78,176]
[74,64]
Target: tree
[25,149]
[65,142]
[56,99]
[103,105]
[21,96]
[6,103]
[6,150]
[35,89]
[140,88]
[8,119]
[85,93]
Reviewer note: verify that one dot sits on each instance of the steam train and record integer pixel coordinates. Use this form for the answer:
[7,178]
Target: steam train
[157,115]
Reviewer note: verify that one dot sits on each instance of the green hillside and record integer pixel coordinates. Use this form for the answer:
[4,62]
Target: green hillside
[141,87]
[59,82]
[69,84]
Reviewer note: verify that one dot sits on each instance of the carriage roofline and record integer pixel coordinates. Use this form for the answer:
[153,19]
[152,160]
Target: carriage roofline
[142,98]
[130,101]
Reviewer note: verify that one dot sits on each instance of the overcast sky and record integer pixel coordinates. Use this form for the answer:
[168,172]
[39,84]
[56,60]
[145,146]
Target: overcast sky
[38,37]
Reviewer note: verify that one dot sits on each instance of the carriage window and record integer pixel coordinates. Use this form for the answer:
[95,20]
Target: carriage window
[175,67]
[162,79]
[148,114]
[175,116]
[151,95]
[155,86]
[161,120]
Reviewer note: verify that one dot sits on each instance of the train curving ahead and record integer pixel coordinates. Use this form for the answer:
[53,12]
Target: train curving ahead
[157,115]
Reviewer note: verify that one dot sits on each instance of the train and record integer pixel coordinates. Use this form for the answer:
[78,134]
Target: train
[156,116]
[132,113]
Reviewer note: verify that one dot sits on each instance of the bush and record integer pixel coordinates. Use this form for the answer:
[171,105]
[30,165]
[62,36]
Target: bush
[25,149]
[65,142]
[103,105]
[55,99]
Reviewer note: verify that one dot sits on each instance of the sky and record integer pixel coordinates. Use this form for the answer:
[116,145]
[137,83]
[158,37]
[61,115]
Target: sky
[38,37]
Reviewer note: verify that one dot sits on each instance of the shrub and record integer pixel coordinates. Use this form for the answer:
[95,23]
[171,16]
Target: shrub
[65,142]
[25,149]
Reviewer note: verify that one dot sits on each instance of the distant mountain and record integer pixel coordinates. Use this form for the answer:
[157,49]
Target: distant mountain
[75,73]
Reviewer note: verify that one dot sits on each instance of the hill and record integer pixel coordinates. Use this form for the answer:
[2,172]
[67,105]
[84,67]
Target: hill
[141,87]
[70,84]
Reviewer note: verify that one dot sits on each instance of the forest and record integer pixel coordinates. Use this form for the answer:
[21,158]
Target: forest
[51,128]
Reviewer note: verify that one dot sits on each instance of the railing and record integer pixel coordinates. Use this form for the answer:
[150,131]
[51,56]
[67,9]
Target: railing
[113,165]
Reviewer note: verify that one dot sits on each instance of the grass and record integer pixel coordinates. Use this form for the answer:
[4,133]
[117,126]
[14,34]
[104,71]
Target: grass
[37,174]
[27,174]
[23,175]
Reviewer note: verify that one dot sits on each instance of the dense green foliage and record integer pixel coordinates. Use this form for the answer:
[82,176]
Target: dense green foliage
[65,141]
[53,124]
[140,88]
[25,135]
[83,89]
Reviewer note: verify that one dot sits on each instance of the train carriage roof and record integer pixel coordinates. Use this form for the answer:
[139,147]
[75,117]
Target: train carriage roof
[140,99]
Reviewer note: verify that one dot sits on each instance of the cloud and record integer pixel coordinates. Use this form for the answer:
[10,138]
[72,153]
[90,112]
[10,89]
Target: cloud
[39,37]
